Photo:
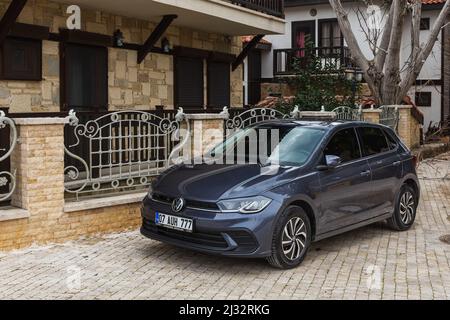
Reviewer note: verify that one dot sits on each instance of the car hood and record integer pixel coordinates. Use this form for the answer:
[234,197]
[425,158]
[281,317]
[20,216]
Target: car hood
[205,182]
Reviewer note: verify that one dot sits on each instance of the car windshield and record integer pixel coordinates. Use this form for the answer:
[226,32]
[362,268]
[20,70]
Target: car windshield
[284,145]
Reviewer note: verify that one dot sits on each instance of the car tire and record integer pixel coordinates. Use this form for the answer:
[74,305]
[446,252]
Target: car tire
[289,251]
[405,210]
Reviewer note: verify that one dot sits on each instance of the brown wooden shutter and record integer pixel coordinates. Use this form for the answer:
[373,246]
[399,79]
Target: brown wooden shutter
[85,80]
[218,84]
[188,82]
[21,59]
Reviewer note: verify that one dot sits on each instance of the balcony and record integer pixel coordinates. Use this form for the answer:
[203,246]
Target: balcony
[231,17]
[270,7]
[331,58]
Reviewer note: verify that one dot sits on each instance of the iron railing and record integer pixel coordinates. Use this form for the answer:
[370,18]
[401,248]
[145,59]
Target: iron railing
[252,116]
[271,7]
[109,152]
[8,141]
[287,61]
[118,151]
[390,116]
[347,113]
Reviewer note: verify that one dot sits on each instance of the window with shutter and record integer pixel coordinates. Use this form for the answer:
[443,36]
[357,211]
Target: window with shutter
[21,59]
[85,80]
[330,36]
[218,84]
[188,82]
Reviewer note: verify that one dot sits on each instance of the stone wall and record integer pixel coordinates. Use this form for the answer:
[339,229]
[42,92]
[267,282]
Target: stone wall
[277,89]
[131,86]
[35,96]
[39,164]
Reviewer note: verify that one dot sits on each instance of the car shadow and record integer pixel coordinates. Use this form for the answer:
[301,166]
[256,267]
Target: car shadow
[162,253]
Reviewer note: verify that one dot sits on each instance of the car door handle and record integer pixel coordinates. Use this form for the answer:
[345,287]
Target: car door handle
[396,163]
[365,173]
[379,162]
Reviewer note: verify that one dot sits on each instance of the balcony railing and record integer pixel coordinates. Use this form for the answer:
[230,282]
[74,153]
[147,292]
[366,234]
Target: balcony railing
[285,61]
[271,7]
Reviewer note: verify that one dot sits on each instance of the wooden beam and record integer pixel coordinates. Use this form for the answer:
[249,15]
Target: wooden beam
[154,36]
[29,31]
[86,38]
[9,18]
[250,45]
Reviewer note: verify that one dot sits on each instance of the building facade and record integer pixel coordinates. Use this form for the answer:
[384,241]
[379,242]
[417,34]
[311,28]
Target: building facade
[315,18]
[126,54]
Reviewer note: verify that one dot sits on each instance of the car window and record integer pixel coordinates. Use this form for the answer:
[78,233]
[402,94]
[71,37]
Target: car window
[344,144]
[373,141]
[391,141]
[283,145]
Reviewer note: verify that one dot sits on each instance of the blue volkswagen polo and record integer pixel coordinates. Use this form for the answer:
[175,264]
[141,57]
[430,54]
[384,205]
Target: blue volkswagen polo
[321,179]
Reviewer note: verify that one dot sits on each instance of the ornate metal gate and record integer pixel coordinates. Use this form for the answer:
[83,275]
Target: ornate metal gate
[125,149]
[389,116]
[7,178]
[347,113]
[252,116]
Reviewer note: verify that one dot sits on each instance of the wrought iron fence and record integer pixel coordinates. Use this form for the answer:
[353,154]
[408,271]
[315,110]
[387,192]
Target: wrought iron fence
[347,113]
[285,61]
[272,7]
[390,116]
[252,116]
[124,150]
[7,178]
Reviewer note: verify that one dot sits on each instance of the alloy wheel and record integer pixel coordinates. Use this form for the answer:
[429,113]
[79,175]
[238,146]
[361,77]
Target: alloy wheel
[407,207]
[294,238]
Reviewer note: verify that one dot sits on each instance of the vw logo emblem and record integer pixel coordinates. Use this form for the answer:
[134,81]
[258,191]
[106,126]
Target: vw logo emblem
[178,204]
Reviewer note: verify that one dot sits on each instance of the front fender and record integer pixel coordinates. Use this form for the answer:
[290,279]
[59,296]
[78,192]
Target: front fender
[298,199]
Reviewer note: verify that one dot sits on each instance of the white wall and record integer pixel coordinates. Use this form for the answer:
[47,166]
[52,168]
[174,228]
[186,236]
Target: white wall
[431,69]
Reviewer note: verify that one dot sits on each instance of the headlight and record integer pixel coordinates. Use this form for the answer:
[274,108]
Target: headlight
[244,205]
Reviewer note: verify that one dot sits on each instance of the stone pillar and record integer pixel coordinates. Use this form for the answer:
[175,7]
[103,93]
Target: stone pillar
[38,160]
[317,115]
[207,130]
[371,115]
[408,127]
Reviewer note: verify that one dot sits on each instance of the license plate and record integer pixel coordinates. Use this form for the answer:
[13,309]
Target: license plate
[173,222]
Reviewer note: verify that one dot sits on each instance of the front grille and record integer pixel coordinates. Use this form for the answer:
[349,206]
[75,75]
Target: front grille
[214,240]
[189,203]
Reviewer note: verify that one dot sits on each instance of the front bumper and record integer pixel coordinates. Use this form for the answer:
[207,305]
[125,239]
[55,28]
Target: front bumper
[227,234]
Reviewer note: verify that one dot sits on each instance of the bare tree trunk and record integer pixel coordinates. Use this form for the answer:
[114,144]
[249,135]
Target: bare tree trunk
[392,69]
[383,73]
[423,52]
[380,57]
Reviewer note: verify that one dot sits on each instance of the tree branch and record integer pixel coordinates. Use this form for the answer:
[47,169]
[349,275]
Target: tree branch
[354,47]
[380,58]
[392,64]
[346,30]
[424,52]
[416,16]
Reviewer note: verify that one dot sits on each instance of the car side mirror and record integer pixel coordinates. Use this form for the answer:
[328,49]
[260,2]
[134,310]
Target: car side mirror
[332,161]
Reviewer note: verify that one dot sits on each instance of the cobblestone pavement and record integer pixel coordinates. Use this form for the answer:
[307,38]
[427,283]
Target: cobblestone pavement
[370,263]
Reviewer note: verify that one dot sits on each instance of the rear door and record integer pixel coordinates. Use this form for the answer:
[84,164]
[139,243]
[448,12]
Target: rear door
[345,190]
[384,162]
